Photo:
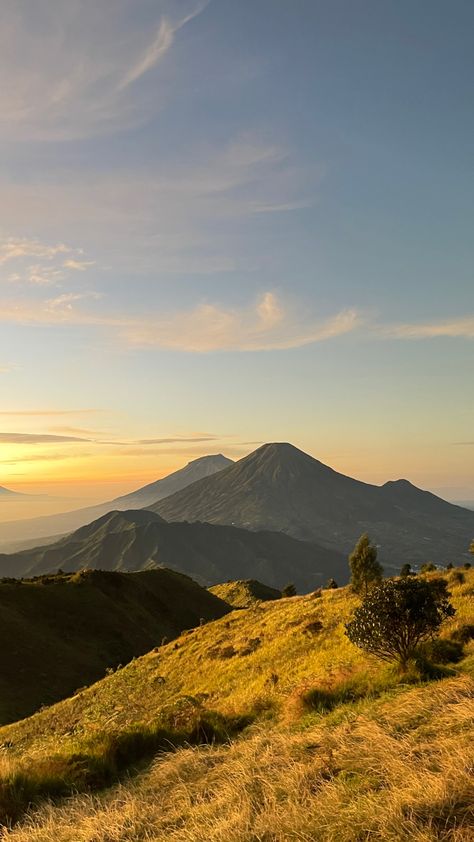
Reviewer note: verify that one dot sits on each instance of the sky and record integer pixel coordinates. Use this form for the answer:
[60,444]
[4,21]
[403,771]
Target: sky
[230,223]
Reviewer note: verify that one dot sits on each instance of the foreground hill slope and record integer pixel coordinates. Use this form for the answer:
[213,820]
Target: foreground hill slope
[279,487]
[61,632]
[371,759]
[20,533]
[141,539]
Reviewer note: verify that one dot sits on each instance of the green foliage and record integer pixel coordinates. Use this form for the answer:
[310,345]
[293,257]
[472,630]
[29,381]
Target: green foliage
[395,617]
[366,571]
[331,584]
[289,590]
[406,570]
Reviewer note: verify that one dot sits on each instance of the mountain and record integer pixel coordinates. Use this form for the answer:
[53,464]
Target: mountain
[62,632]
[141,539]
[15,535]
[278,487]
[205,466]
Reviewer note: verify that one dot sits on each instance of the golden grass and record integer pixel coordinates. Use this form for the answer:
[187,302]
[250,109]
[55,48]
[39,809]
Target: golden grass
[401,770]
[394,767]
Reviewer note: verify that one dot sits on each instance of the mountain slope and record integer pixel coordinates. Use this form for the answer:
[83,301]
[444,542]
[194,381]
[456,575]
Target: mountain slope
[140,539]
[345,749]
[62,632]
[19,534]
[279,487]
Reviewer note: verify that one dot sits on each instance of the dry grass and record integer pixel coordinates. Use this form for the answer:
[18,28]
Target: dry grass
[402,770]
[375,760]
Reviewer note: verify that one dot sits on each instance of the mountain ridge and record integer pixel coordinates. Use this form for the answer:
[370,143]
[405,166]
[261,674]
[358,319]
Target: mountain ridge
[279,487]
[141,539]
[18,532]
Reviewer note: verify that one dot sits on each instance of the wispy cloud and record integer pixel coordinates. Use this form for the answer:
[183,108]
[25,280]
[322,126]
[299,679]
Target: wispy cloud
[76,80]
[78,265]
[267,325]
[14,248]
[36,438]
[458,327]
[50,267]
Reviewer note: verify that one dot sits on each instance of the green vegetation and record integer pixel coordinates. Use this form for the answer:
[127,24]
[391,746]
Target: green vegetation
[298,773]
[365,569]
[397,615]
[244,592]
[289,590]
[63,631]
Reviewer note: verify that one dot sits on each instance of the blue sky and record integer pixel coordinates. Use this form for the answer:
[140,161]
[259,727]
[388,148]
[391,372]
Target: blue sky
[250,220]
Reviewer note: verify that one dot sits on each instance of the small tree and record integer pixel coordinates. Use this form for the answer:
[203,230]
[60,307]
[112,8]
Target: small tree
[395,617]
[365,569]
[405,570]
[331,584]
[289,590]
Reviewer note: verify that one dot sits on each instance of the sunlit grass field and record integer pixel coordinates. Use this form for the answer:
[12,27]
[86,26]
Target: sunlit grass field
[383,757]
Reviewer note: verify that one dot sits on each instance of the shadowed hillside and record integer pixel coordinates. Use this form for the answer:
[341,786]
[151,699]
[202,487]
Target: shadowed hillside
[61,632]
[140,539]
[280,487]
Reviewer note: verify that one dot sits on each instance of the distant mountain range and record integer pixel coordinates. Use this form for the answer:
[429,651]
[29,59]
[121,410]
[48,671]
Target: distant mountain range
[64,631]
[19,534]
[278,487]
[6,494]
[140,539]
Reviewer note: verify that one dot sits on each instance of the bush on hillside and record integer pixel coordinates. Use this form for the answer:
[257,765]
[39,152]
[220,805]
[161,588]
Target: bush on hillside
[289,590]
[331,584]
[397,616]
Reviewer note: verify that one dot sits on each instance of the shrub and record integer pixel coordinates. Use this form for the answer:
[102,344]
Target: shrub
[331,584]
[398,615]
[406,571]
[458,577]
[289,590]
[442,651]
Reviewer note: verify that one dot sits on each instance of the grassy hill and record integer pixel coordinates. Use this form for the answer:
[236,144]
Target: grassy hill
[140,539]
[279,487]
[62,632]
[338,747]
[244,593]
